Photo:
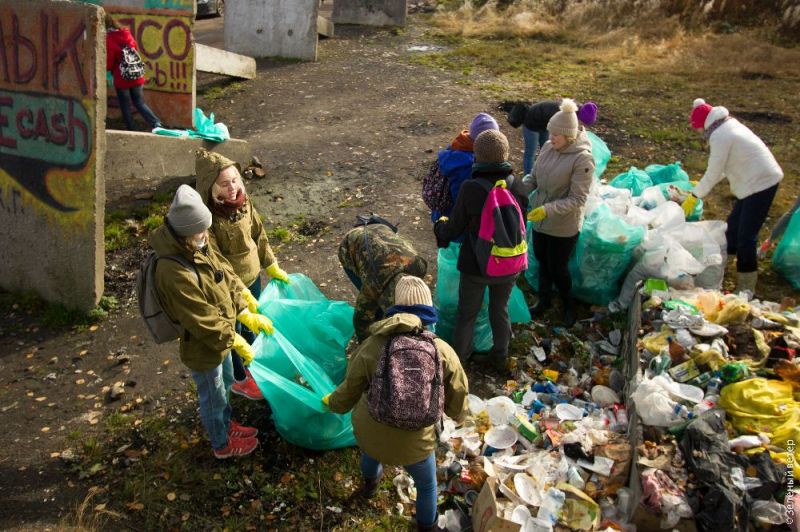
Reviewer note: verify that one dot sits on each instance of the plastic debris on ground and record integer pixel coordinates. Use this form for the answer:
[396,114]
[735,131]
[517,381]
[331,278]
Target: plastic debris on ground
[715,401]
[204,128]
[549,449]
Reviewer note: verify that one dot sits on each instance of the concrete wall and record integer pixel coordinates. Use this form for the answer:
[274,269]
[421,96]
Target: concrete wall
[265,28]
[141,162]
[370,12]
[52,147]
[163,31]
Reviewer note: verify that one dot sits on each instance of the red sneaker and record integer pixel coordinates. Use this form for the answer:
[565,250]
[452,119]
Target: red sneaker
[237,447]
[240,431]
[248,388]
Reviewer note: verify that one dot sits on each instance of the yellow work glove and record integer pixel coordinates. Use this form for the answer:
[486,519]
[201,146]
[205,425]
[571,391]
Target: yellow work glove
[274,271]
[537,215]
[689,204]
[256,322]
[250,299]
[243,349]
[326,401]
[442,219]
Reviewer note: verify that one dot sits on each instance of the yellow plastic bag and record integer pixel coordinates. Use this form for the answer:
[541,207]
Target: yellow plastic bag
[710,357]
[655,342]
[768,406]
[709,303]
[735,311]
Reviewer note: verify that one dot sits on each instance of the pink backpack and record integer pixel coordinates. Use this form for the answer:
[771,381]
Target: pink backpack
[407,390]
[501,247]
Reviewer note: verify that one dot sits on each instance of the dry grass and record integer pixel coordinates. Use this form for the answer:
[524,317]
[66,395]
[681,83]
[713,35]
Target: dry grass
[88,517]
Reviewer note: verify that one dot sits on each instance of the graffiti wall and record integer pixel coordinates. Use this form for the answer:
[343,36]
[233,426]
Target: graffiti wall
[52,141]
[163,32]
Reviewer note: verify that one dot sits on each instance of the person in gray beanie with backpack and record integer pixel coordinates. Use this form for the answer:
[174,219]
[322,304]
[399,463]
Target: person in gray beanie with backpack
[198,290]
[395,410]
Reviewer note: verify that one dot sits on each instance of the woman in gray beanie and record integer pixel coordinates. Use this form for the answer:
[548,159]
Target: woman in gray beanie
[562,179]
[206,300]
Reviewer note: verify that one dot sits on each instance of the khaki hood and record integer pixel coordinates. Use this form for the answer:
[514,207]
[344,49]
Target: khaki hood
[397,324]
[207,166]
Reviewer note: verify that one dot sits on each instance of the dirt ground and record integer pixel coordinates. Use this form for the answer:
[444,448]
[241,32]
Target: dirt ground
[348,134]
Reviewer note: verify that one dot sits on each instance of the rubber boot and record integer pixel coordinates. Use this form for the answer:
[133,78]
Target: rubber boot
[433,528]
[370,487]
[541,306]
[746,281]
[570,316]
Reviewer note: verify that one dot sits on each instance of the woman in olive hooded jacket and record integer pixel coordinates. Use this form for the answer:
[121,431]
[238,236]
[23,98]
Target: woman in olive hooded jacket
[238,234]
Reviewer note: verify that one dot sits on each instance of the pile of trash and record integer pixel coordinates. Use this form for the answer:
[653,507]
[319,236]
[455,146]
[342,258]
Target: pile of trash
[716,410]
[635,228]
[550,449]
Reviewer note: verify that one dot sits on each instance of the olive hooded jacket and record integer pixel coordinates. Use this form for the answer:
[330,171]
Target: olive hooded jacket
[206,309]
[241,239]
[384,443]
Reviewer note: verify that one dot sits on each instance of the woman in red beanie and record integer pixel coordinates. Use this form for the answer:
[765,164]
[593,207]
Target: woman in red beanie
[753,173]
[119,44]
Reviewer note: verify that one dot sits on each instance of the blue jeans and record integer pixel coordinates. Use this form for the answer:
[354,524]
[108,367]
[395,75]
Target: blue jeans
[533,141]
[213,387]
[424,475]
[135,94]
[744,222]
[247,334]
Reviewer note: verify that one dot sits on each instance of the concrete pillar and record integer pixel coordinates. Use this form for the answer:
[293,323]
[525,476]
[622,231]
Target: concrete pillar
[370,12]
[266,28]
[52,150]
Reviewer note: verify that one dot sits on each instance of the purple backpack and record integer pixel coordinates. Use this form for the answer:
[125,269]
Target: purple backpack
[501,248]
[407,390]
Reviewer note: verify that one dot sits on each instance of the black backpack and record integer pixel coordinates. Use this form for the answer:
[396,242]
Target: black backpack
[131,67]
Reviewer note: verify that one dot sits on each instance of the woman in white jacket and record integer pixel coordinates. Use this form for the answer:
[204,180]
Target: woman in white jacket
[753,173]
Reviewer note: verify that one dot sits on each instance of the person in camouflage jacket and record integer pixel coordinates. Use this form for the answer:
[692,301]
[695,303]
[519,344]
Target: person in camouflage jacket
[374,257]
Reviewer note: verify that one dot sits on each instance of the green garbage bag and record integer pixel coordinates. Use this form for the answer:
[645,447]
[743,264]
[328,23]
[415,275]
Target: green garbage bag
[600,153]
[634,180]
[205,128]
[294,386]
[786,259]
[660,173]
[602,255]
[697,213]
[447,281]
[316,326]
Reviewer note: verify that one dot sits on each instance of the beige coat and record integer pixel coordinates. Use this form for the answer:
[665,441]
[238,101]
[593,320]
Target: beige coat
[241,240]
[562,179]
[391,445]
[208,309]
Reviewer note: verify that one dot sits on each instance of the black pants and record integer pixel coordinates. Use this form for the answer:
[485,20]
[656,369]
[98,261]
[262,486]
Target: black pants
[744,222]
[553,253]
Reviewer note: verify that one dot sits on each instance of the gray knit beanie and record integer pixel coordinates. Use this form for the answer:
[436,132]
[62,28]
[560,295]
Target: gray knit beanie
[491,146]
[188,215]
[565,122]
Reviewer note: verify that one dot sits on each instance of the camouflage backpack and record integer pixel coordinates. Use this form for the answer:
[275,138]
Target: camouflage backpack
[407,390]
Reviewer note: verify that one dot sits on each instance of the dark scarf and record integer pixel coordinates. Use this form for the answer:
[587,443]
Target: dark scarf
[426,314]
[492,170]
[713,127]
[231,210]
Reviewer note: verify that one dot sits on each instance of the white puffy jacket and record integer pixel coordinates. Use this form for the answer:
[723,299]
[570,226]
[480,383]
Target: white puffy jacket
[738,154]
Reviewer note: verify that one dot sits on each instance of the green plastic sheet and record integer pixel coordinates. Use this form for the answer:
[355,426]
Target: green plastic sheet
[600,153]
[786,259]
[447,302]
[316,326]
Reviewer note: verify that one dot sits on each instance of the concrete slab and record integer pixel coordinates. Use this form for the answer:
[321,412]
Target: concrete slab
[283,28]
[217,61]
[140,162]
[370,12]
[52,146]
[324,27]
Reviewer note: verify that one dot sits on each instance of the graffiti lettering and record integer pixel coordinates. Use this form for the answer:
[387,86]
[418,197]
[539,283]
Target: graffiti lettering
[41,52]
[11,200]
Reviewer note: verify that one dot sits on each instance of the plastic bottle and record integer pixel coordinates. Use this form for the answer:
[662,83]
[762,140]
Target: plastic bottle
[676,351]
[575,478]
[714,386]
[660,363]
[622,416]
[709,402]
[624,500]
[551,505]
[682,412]
[764,323]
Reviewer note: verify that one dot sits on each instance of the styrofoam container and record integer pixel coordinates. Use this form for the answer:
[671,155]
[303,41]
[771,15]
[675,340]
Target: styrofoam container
[568,412]
[475,404]
[520,515]
[526,489]
[500,437]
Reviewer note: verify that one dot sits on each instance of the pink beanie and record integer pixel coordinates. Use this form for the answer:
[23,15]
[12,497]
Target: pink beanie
[700,110]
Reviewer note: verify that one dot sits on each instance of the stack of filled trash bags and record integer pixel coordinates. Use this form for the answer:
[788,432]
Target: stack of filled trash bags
[635,228]
[714,408]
